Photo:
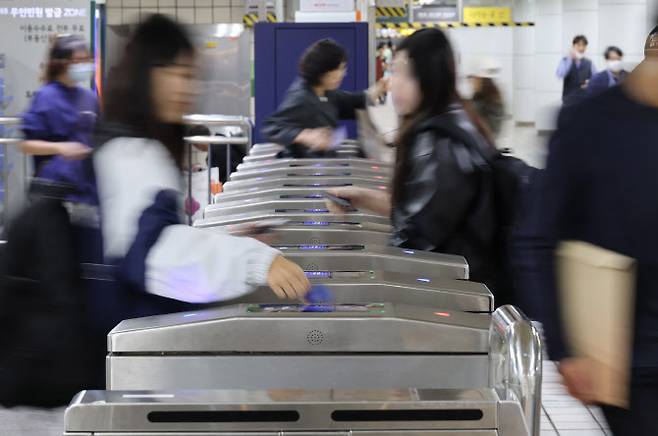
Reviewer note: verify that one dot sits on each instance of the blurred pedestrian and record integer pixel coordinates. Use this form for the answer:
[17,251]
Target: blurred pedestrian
[613,75]
[487,99]
[599,187]
[62,116]
[575,70]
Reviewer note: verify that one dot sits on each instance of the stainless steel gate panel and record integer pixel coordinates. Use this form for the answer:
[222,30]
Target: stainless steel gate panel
[425,265]
[302,182]
[254,371]
[301,191]
[297,233]
[408,412]
[306,205]
[312,171]
[303,215]
[299,163]
[381,286]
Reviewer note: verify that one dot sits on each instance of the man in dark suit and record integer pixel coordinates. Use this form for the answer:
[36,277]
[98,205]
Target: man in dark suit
[600,187]
[575,70]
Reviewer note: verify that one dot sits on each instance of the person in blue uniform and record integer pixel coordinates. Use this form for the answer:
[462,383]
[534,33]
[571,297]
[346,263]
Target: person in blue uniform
[59,123]
[613,75]
[305,121]
[575,70]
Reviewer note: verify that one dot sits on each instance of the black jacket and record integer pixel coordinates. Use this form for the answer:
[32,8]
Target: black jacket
[303,109]
[446,202]
[599,186]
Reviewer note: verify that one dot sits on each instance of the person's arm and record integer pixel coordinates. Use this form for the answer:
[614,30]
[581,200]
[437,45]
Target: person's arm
[377,201]
[564,67]
[139,198]
[441,195]
[69,150]
[41,122]
[347,103]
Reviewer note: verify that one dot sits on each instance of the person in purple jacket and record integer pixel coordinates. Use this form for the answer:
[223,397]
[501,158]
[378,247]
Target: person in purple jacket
[59,123]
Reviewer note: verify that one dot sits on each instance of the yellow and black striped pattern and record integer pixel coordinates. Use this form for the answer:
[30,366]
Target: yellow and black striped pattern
[250,19]
[391,12]
[450,25]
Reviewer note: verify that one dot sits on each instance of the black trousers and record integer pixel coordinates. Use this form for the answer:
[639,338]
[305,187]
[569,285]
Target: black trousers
[642,418]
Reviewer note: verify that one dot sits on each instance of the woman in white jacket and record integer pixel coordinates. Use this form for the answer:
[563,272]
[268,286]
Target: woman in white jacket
[160,261]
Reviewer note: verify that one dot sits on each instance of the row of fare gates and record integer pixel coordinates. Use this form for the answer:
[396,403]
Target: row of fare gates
[407,347]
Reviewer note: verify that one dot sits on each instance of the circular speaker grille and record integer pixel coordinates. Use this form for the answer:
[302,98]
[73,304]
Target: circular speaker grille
[311,267]
[315,337]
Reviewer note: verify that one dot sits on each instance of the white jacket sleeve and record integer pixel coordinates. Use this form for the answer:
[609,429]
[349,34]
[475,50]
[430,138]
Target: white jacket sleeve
[173,260]
[198,266]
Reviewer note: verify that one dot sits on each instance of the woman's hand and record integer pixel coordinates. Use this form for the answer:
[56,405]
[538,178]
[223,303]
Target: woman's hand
[287,279]
[361,198]
[352,194]
[318,139]
[378,90]
[73,150]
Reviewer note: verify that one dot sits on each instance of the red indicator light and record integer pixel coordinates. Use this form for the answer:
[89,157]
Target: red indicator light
[444,314]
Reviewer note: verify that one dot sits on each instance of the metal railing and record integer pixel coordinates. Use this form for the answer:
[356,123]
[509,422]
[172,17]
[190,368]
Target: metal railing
[214,121]
[516,362]
[5,142]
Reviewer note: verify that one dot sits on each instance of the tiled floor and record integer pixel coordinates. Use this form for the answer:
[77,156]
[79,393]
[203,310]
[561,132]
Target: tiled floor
[565,416]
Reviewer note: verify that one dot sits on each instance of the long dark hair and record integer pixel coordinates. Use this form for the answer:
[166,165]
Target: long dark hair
[488,92]
[60,54]
[433,63]
[319,59]
[157,42]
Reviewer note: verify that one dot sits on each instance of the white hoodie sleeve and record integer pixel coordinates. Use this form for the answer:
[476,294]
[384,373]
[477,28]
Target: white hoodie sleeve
[184,263]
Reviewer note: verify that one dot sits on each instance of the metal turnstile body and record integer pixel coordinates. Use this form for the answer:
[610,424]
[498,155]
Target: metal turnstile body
[312,205]
[311,171]
[300,163]
[283,412]
[425,265]
[296,191]
[302,182]
[300,215]
[288,347]
[396,288]
[298,233]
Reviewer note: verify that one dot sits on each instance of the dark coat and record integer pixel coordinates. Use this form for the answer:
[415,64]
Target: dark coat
[303,109]
[446,201]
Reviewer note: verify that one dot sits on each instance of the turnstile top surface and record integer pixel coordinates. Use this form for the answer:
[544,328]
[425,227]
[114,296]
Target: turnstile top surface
[253,185]
[323,226]
[391,287]
[345,171]
[303,328]
[357,162]
[314,196]
[277,409]
[301,215]
[256,192]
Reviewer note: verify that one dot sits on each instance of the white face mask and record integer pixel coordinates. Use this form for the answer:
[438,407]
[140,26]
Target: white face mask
[81,73]
[615,66]
[580,55]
